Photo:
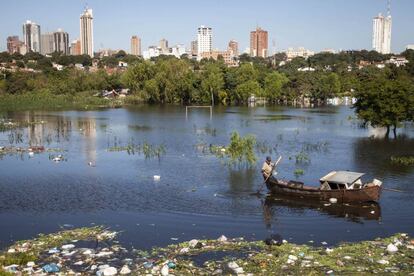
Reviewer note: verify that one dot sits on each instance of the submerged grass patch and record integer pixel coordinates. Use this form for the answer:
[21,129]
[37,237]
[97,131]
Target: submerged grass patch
[132,148]
[406,160]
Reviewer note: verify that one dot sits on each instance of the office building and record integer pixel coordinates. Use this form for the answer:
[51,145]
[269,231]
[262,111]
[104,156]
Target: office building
[61,42]
[234,48]
[135,45]
[75,48]
[204,40]
[194,47]
[164,45]
[13,44]
[258,43]
[86,32]
[31,36]
[47,43]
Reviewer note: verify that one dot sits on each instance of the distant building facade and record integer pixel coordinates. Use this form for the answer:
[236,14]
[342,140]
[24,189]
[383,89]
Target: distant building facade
[13,44]
[292,53]
[381,34]
[194,48]
[75,48]
[86,32]
[31,36]
[164,45]
[47,43]
[410,47]
[61,42]
[135,45]
[228,57]
[204,40]
[233,47]
[259,43]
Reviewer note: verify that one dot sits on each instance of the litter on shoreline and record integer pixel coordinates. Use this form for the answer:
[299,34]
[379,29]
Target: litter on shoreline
[94,251]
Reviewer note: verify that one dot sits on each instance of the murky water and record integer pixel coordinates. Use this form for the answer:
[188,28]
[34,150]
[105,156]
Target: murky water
[197,196]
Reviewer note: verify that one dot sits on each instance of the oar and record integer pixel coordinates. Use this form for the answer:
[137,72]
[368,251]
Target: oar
[259,191]
[393,190]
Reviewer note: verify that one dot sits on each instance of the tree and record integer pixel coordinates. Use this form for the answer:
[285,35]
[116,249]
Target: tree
[385,99]
[273,86]
[212,82]
[244,90]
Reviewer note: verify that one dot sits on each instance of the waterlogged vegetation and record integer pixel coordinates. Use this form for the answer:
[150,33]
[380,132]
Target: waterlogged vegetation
[132,148]
[240,152]
[394,254]
[403,160]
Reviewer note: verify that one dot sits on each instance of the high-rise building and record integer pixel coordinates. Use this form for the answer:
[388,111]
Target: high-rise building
[31,36]
[258,43]
[75,48]
[13,44]
[410,47]
[381,34]
[194,48]
[86,32]
[234,48]
[47,43]
[204,40]
[61,42]
[135,45]
[164,45]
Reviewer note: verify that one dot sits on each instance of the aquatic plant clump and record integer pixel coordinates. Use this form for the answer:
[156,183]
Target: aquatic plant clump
[403,160]
[240,151]
[148,150]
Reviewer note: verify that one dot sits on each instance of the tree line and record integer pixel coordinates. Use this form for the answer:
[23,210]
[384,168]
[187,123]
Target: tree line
[384,96]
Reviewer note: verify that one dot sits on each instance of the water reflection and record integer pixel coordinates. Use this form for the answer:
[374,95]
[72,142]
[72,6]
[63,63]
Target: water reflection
[351,212]
[374,155]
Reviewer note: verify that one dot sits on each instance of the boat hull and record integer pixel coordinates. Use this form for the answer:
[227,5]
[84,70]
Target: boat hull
[298,190]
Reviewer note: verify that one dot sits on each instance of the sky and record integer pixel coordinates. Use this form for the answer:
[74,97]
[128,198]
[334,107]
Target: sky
[313,24]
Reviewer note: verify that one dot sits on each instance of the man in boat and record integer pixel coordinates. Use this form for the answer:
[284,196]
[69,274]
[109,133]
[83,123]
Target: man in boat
[267,168]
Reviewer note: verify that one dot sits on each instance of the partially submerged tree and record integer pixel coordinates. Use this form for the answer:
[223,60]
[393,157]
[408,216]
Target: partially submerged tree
[385,99]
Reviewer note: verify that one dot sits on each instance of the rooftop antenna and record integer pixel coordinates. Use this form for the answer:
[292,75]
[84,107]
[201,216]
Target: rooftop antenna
[389,7]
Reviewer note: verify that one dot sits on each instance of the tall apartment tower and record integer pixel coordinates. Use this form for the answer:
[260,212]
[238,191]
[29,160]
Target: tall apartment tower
[204,40]
[234,48]
[47,43]
[381,36]
[135,45]
[258,43]
[86,32]
[31,36]
[61,42]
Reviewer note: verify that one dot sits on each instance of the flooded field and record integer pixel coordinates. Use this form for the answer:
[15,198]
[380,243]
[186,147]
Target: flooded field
[98,168]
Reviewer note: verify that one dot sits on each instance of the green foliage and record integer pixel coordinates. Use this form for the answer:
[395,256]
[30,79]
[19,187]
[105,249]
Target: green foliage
[240,151]
[385,98]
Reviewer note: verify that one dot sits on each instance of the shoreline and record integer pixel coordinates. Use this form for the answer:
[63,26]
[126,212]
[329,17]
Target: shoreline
[95,251]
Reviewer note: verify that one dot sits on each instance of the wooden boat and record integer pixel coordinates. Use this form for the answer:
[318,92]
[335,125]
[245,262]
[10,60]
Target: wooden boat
[340,187]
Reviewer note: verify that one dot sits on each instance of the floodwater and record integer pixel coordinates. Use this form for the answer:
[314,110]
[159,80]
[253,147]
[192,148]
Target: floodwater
[197,195]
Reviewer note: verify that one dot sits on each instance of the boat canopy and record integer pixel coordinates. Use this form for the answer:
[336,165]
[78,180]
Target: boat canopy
[342,177]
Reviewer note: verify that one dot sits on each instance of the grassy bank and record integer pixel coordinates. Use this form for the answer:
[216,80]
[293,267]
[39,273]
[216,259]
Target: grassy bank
[223,256]
[48,101]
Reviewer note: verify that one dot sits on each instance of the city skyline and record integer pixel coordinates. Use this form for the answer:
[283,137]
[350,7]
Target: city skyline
[285,32]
